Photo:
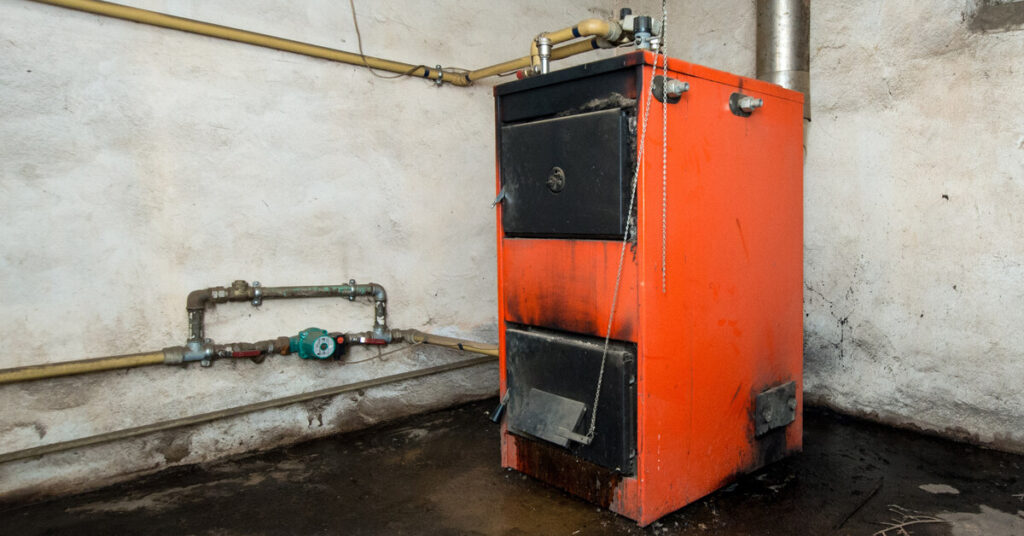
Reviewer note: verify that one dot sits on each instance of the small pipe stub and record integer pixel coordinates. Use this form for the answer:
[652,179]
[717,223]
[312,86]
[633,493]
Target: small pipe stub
[668,90]
[544,52]
[744,105]
[642,28]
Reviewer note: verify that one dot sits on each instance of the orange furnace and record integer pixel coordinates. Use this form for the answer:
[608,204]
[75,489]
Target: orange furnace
[699,379]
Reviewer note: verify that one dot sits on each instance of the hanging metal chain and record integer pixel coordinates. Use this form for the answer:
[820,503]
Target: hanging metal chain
[664,153]
[630,220]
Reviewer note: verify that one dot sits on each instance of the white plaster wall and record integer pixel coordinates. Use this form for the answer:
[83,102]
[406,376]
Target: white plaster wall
[912,300]
[914,193]
[138,163]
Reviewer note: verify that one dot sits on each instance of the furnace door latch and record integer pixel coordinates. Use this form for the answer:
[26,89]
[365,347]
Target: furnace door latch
[668,90]
[500,198]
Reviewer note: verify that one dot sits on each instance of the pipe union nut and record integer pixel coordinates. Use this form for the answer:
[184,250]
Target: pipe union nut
[544,46]
[675,88]
[749,104]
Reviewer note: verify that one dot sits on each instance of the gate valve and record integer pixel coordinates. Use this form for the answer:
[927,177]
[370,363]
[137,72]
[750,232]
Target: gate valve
[313,343]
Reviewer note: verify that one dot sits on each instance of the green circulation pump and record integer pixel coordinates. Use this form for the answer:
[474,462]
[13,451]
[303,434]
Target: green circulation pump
[313,343]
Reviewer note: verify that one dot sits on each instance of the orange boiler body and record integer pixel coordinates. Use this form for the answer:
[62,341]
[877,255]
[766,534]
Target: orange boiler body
[703,381]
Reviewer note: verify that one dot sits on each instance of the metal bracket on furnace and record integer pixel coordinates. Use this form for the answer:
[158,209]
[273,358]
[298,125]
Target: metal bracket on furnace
[774,408]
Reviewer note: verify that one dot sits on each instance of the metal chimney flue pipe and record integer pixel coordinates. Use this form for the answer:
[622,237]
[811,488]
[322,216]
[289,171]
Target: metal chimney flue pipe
[783,45]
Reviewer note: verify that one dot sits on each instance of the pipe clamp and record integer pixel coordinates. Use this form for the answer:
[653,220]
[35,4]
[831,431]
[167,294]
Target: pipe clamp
[257,294]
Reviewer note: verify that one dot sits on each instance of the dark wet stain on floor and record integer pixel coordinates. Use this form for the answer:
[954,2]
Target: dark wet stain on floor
[439,474]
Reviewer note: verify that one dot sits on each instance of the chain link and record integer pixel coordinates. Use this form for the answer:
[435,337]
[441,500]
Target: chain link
[664,152]
[642,134]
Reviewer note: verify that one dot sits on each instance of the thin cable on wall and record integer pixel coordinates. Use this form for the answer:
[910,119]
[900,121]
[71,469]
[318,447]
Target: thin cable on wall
[359,43]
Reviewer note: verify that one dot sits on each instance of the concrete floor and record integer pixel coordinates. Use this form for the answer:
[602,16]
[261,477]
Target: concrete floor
[439,474]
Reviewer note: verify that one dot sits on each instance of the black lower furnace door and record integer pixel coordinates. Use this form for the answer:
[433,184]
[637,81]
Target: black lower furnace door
[552,378]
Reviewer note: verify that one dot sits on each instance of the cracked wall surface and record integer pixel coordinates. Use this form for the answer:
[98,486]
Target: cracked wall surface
[914,189]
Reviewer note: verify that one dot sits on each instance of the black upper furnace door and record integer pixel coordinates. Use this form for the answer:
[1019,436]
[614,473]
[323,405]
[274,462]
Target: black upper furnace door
[568,176]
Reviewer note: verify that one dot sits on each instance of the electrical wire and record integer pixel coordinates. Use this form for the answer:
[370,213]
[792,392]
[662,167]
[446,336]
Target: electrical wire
[359,43]
[381,355]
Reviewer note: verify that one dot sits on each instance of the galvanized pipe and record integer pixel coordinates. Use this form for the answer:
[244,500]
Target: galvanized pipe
[241,291]
[784,47]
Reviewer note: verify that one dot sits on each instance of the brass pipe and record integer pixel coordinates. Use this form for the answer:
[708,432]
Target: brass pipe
[83,366]
[557,53]
[417,337]
[586,28]
[261,40]
[603,29]
[593,27]
[578,47]
[175,355]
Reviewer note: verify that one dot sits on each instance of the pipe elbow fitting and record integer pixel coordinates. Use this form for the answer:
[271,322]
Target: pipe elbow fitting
[197,299]
[599,28]
[378,292]
[534,55]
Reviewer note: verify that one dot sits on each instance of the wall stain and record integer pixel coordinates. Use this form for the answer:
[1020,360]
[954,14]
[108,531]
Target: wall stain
[993,16]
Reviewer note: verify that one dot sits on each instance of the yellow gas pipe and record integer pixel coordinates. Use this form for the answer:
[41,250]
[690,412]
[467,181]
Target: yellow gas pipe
[261,40]
[98,364]
[69,368]
[520,63]
[589,27]
[600,29]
